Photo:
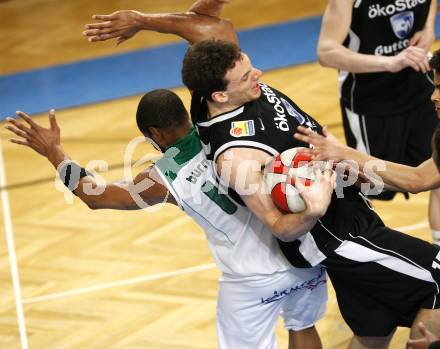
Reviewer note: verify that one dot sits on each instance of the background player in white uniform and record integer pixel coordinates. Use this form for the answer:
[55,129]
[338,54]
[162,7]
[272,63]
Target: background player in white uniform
[257,282]
[382,58]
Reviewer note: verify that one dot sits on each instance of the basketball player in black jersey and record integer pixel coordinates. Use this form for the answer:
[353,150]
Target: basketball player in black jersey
[383,278]
[380,48]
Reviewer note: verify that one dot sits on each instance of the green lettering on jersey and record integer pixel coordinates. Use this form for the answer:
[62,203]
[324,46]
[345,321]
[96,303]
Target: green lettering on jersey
[212,192]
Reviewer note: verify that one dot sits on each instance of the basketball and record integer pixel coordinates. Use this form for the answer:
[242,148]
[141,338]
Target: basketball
[281,174]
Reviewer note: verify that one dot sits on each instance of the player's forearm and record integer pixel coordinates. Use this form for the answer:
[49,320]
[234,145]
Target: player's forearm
[115,195]
[190,26]
[335,55]
[430,20]
[290,227]
[96,196]
[396,177]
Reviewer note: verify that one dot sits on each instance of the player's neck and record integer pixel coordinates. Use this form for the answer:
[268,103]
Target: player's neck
[215,108]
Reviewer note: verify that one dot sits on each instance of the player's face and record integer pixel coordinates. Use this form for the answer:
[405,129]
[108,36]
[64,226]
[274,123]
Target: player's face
[435,97]
[242,80]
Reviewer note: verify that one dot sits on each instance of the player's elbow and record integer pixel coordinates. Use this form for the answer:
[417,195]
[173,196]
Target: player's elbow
[224,30]
[283,234]
[326,53]
[415,186]
[323,57]
[93,205]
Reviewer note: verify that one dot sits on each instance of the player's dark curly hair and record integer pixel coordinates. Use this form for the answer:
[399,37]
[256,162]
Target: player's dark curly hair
[436,146]
[205,66]
[434,62]
[162,109]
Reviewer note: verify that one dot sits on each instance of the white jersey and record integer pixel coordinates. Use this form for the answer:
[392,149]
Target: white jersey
[238,240]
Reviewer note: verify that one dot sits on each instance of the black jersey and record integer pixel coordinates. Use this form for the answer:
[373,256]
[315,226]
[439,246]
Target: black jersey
[268,124]
[384,27]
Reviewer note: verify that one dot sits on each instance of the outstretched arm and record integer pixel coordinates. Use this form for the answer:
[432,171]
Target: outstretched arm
[331,53]
[395,176]
[145,190]
[201,22]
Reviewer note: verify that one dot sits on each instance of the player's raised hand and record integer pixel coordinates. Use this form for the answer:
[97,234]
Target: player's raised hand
[413,56]
[325,147]
[121,25]
[422,343]
[42,140]
[317,196]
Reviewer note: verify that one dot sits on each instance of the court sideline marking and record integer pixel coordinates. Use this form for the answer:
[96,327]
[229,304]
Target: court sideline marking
[178,272]
[7,219]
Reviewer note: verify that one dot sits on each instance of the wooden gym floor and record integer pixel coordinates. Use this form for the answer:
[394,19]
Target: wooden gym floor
[109,279]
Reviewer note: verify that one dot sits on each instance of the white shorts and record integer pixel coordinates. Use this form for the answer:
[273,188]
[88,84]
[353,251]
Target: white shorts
[248,307]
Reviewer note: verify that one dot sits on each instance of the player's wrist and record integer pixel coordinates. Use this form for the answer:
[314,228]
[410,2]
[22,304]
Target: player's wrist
[56,155]
[145,21]
[386,63]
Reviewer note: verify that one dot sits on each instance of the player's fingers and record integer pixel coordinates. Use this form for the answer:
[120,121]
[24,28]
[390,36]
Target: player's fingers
[301,137]
[18,124]
[105,17]
[418,56]
[53,120]
[21,142]
[103,37]
[101,25]
[93,32]
[16,131]
[121,39]
[27,119]
[410,63]
[304,130]
[425,65]
[422,329]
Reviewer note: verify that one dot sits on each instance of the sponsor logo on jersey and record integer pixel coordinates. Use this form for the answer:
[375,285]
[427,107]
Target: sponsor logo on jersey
[391,49]
[242,128]
[378,10]
[262,128]
[280,119]
[198,171]
[291,110]
[402,24]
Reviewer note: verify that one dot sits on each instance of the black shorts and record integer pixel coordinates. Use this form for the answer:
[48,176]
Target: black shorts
[382,279]
[403,138]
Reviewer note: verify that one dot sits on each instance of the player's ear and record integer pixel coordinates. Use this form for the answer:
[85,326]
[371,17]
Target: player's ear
[154,133]
[220,96]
